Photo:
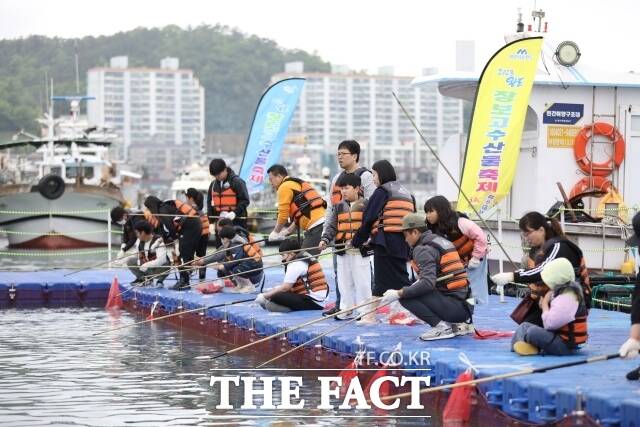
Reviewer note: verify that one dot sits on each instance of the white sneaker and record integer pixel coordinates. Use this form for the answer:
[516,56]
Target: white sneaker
[439,332]
[367,320]
[463,328]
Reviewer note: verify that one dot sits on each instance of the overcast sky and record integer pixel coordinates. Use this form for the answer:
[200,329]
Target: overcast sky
[361,34]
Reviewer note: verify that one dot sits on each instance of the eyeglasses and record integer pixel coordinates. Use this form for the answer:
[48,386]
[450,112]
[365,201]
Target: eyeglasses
[344,153]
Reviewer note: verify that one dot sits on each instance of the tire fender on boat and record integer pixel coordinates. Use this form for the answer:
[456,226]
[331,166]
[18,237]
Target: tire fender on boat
[51,186]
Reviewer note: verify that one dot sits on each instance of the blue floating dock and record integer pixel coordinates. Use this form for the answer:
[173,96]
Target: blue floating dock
[601,388]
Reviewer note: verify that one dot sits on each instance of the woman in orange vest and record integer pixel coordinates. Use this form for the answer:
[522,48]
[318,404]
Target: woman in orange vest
[469,240]
[382,225]
[227,196]
[561,307]
[304,285]
[196,200]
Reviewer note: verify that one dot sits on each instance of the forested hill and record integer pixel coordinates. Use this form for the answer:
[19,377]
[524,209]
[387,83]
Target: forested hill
[233,67]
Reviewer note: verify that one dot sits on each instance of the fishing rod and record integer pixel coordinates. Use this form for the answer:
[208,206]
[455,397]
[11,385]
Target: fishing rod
[172,315]
[435,155]
[91,267]
[519,373]
[348,322]
[294,328]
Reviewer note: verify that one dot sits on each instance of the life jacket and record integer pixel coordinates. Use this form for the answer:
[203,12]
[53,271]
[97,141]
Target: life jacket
[314,280]
[146,252]
[464,246]
[151,219]
[304,201]
[449,262]
[336,194]
[253,249]
[349,219]
[574,333]
[399,204]
[184,209]
[204,219]
[224,200]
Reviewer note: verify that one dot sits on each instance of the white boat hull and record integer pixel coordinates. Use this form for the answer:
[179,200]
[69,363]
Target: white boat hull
[78,219]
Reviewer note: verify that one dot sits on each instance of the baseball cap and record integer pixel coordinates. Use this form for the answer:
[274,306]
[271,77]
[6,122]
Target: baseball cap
[413,220]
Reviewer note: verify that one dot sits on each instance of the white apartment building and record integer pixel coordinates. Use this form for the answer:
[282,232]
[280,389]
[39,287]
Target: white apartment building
[145,106]
[344,105]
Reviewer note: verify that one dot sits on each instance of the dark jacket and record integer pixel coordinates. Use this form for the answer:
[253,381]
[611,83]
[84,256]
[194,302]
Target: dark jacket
[635,303]
[385,244]
[557,247]
[239,187]
[129,236]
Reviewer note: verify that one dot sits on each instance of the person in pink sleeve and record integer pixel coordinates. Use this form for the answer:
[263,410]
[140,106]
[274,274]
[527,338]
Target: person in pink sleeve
[469,240]
[564,315]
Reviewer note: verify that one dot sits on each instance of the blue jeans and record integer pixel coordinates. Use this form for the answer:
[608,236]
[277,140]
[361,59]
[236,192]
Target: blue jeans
[548,342]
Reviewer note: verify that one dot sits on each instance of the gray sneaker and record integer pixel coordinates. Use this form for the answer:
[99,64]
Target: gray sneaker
[439,332]
[462,328]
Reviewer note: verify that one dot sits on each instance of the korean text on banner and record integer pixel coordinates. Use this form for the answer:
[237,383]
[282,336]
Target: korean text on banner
[498,118]
[268,131]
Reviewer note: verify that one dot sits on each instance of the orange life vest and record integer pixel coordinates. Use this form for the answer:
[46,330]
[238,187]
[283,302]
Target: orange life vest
[449,262]
[349,219]
[575,333]
[224,201]
[314,280]
[252,249]
[304,201]
[151,219]
[205,224]
[399,204]
[336,194]
[184,209]
[464,246]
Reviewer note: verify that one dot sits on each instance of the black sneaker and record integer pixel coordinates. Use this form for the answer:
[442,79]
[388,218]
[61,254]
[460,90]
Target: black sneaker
[334,310]
[181,286]
[138,281]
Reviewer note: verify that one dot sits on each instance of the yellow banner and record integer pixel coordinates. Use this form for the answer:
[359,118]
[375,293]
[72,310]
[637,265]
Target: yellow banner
[561,136]
[496,127]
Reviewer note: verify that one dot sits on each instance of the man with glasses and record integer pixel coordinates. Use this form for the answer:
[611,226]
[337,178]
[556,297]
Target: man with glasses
[348,160]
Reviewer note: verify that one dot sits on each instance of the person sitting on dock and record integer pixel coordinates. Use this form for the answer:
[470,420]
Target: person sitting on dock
[196,200]
[176,219]
[564,315]
[304,285]
[241,256]
[353,265]
[127,218]
[301,205]
[227,196]
[153,258]
[438,303]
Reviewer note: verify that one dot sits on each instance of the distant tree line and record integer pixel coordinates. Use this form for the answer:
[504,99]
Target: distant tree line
[233,67]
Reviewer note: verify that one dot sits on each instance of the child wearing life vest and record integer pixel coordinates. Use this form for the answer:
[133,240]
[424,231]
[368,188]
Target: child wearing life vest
[564,315]
[196,200]
[304,286]
[152,258]
[353,265]
[469,240]
[240,257]
[440,303]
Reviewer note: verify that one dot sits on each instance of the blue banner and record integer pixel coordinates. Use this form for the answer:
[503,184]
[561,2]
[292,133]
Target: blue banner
[270,125]
[563,114]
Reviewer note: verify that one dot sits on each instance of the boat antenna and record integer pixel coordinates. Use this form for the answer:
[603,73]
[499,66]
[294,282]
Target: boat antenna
[538,14]
[520,25]
[77,68]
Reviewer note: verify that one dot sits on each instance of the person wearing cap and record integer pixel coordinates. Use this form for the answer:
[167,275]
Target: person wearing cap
[227,196]
[196,200]
[631,347]
[439,303]
[564,315]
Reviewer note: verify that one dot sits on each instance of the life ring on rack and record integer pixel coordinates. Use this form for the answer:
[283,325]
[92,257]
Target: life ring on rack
[51,187]
[598,184]
[580,149]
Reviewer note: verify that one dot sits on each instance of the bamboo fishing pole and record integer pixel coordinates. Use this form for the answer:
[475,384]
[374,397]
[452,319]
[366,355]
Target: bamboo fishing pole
[172,315]
[519,373]
[294,328]
[466,198]
[348,322]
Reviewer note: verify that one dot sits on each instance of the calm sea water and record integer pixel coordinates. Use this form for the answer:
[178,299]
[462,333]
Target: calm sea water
[54,372]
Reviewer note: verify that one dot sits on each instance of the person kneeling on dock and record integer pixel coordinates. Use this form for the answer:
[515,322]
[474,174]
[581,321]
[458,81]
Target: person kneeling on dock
[304,287]
[438,303]
[240,256]
[564,315]
[153,257]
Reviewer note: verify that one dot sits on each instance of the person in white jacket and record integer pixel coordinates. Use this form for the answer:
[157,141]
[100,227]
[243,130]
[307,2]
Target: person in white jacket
[153,257]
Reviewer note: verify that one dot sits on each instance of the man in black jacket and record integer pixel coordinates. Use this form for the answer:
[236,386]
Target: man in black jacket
[127,218]
[227,196]
[631,347]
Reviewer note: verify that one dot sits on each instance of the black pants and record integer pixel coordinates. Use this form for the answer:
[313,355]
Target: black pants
[436,306]
[311,239]
[201,250]
[189,238]
[296,302]
[389,272]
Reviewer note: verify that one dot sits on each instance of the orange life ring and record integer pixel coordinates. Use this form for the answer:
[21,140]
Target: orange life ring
[580,149]
[598,184]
